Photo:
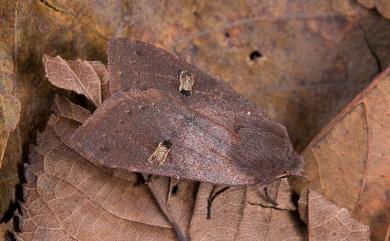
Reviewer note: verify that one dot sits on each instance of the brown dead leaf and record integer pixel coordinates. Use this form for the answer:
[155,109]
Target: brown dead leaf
[4,231]
[102,73]
[25,33]
[212,35]
[10,112]
[349,161]
[78,76]
[383,6]
[9,104]
[237,213]
[65,108]
[9,176]
[10,150]
[9,118]
[176,198]
[327,222]
[69,198]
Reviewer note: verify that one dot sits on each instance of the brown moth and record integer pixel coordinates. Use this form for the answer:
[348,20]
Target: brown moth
[214,134]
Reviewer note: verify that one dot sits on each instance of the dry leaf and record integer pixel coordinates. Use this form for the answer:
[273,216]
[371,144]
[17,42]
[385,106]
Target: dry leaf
[302,205]
[219,40]
[78,76]
[9,176]
[383,6]
[217,212]
[176,198]
[9,118]
[10,150]
[102,73]
[4,231]
[67,197]
[236,213]
[65,108]
[263,222]
[349,161]
[9,104]
[10,112]
[213,135]
[24,34]
[327,222]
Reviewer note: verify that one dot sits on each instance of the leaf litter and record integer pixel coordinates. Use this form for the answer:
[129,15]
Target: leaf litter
[96,199]
[298,109]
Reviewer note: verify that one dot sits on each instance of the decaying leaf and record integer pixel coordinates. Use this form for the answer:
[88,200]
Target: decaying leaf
[78,75]
[68,198]
[327,222]
[176,198]
[214,134]
[102,73]
[349,161]
[26,31]
[65,108]
[9,104]
[383,6]
[4,135]
[9,117]
[236,213]
[10,149]
[9,176]
[304,67]
[10,112]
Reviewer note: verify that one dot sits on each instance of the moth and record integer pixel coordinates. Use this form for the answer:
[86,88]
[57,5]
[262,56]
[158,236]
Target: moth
[166,117]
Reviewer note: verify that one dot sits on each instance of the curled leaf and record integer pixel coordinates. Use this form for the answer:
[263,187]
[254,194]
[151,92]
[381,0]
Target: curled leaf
[65,108]
[78,76]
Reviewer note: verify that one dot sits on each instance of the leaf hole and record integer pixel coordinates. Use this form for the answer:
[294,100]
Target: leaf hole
[255,55]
